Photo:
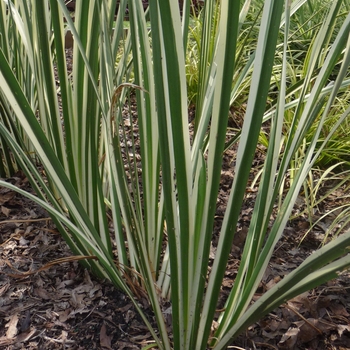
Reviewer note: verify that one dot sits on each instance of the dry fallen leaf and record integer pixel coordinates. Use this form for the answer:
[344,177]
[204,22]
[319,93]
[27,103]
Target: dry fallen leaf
[338,309]
[64,315]
[341,329]
[6,211]
[25,336]
[12,326]
[42,293]
[5,197]
[105,340]
[289,339]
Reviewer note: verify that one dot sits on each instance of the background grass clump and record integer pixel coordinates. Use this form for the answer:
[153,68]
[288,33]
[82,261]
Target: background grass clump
[304,26]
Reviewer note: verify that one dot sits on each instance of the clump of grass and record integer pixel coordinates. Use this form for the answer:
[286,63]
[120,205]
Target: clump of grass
[305,24]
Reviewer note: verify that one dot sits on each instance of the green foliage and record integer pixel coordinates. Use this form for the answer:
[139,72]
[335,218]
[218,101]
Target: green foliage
[159,187]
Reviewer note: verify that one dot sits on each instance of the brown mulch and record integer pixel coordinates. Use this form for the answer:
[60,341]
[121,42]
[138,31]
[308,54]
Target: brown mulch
[49,304]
